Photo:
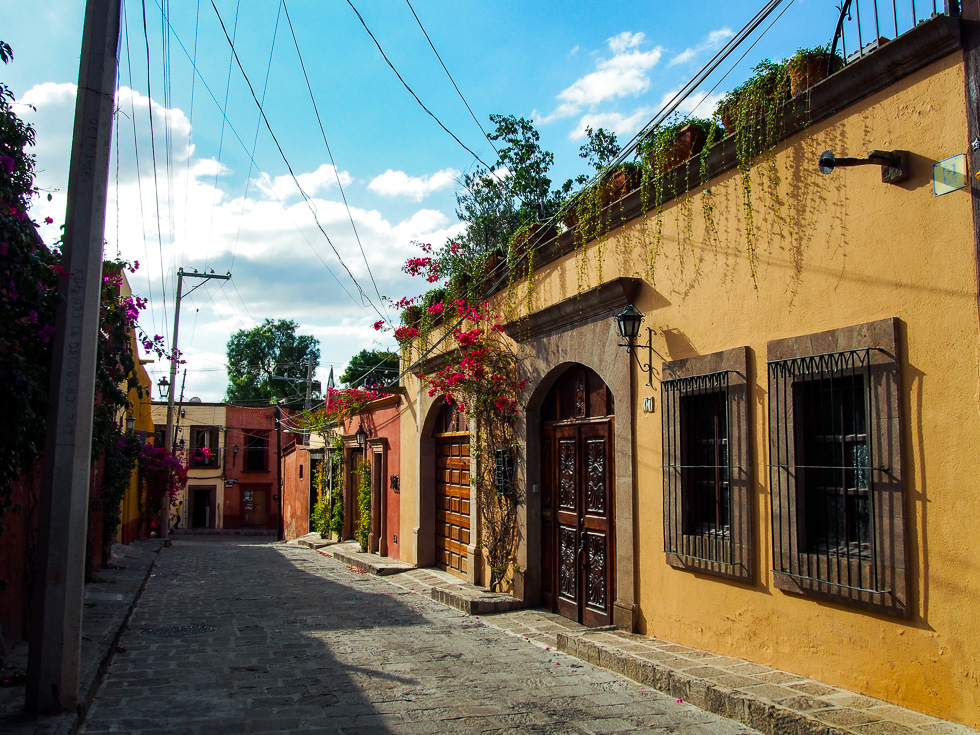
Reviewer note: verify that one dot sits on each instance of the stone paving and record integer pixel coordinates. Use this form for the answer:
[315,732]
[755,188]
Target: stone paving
[234,636]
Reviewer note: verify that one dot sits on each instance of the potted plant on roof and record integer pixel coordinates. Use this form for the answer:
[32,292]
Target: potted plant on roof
[810,65]
[672,144]
[757,99]
[619,181]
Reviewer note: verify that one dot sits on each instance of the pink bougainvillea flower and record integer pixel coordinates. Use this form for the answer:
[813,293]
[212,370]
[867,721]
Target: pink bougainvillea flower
[48,220]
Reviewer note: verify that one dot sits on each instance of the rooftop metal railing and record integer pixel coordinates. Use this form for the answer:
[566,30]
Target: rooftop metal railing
[862,27]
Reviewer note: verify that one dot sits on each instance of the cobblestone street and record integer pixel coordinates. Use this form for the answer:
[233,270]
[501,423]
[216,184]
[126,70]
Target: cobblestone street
[281,639]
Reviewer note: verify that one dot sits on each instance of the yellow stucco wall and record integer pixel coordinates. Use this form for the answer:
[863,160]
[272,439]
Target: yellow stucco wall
[198,414]
[833,251]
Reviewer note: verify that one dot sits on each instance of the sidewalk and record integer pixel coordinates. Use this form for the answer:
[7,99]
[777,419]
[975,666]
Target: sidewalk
[771,701]
[108,602]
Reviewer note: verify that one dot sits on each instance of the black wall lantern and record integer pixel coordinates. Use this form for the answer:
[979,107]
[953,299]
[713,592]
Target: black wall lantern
[234,454]
[163,384]
[628,323]
[361,436]
[130,423]
[394,483]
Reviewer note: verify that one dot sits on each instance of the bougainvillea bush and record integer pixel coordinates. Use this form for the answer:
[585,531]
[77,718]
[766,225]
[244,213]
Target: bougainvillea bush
[474,366]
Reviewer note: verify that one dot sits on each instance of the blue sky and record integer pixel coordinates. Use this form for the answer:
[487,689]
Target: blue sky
[565,65]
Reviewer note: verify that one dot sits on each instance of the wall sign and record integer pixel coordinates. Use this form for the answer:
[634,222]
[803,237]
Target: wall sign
[949,175]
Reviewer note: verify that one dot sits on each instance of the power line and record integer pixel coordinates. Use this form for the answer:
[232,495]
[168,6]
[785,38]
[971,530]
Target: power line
[153,150]
[411,91]
[241,142]
[139,177]
[442,63]
[366,301]
[255,138]
[336,171]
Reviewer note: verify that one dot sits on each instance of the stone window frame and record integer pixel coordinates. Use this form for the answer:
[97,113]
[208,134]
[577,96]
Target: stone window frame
[730,557]
[828,574]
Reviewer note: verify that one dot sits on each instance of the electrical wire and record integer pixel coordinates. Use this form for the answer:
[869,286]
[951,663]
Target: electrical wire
[255,138]
[442,63]
[139,176]
[366,300]
[412,92]
[156,187]
[336,171]
[252,159]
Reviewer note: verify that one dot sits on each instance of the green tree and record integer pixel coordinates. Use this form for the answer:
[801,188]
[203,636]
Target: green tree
[601,150]
[260,357]
[369,368]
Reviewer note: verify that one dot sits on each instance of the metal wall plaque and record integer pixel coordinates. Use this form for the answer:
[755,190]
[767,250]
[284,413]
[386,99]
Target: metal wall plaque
[949,175]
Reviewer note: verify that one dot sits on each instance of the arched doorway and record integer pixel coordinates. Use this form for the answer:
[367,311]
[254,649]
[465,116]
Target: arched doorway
[577,513]
[451,438]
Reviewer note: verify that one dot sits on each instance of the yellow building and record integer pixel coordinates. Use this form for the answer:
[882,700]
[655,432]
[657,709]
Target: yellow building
[199,437]
[787,472]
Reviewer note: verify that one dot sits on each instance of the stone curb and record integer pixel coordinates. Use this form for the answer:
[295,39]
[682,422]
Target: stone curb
[382,569]
[770,718]
[483,605]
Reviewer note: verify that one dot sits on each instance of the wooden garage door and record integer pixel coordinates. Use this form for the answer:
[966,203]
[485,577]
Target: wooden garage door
[452,527]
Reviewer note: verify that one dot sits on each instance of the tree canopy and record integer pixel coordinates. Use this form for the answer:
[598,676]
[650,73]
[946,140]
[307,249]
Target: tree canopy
[371,368]
[259,359]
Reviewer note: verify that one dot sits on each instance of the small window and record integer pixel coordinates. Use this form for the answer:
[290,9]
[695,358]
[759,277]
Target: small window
[204,447]
[705,431]
[838,525]
[301,472]
[256,451]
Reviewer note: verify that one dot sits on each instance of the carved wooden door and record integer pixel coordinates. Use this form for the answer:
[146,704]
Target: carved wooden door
[582,521]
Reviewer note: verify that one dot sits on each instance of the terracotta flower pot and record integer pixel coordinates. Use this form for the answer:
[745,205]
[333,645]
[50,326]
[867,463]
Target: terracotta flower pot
[570,217]
[806,72]
[688,141]
[618,184]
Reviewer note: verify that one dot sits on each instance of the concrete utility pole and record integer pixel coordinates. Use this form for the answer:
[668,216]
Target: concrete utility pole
[169,438]
[56,620]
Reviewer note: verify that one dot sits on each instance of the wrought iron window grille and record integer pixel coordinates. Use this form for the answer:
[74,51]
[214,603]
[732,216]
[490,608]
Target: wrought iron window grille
[822,469]
[697,459]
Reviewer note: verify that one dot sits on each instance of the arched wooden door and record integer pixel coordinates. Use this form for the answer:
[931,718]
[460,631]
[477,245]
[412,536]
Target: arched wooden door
[578,541]
[452,490]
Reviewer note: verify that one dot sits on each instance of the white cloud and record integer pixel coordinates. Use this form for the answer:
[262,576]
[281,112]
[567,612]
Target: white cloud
[700,104]
[712,42]
[623,74]
[314,182]
[399,184]
[622,125]
[625,40]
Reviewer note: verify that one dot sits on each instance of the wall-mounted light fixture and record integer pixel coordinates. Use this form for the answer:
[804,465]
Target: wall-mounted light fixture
[628,323]
[130,423]
[894,164]
[394,482]
[164,385]
[234,454]
[361,436]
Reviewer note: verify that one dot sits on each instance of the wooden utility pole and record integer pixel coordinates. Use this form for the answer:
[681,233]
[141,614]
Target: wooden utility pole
[281,533]
[56,620]
[175,356]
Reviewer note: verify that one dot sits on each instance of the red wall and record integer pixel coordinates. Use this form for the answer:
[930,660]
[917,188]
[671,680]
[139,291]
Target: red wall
[239,421]
[296,491]
[382,423]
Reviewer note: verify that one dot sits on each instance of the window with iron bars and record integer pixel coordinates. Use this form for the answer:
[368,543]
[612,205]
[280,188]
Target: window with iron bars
[706,507]
[835,467]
